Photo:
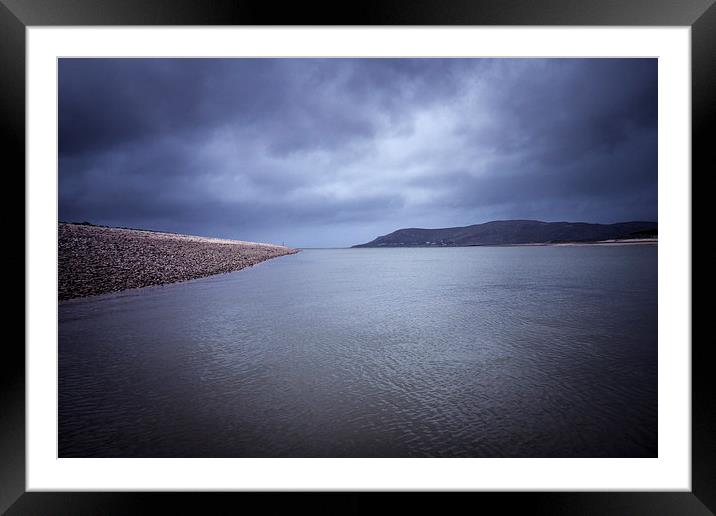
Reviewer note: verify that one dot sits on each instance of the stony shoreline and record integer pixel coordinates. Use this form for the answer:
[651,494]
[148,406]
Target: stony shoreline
[96,260]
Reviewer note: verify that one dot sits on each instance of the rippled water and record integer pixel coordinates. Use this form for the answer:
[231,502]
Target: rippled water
[483,352]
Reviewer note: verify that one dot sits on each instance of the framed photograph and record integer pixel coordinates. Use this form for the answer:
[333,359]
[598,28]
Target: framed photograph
[445,248]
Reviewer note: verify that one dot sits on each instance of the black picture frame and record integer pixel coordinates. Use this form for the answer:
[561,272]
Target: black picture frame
[17,15]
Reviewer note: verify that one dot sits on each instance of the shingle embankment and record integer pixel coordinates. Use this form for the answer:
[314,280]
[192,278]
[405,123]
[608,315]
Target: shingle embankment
[97,260]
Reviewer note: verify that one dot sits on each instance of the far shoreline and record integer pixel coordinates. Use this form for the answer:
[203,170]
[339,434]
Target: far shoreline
[602,243]
[625,242]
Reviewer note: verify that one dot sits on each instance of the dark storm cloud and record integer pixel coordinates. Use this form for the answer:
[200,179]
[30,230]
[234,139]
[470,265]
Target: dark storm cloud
[337,151]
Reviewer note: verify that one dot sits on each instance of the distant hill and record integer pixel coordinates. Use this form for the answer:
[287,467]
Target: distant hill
[509,232]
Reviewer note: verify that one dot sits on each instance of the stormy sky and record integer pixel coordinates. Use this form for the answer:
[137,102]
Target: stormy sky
[335,152]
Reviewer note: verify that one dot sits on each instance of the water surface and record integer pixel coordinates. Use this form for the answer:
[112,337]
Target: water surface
[447,352]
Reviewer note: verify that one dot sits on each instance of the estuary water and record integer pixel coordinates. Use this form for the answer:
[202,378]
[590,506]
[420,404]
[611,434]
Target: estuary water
[434,352]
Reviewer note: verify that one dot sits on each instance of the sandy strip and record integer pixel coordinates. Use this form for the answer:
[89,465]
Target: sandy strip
[630,241]
[96,260]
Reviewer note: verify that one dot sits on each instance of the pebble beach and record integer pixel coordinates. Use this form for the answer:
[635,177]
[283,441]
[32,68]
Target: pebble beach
[96,260]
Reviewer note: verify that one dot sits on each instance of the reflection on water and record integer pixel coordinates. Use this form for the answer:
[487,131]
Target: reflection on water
[452,352]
